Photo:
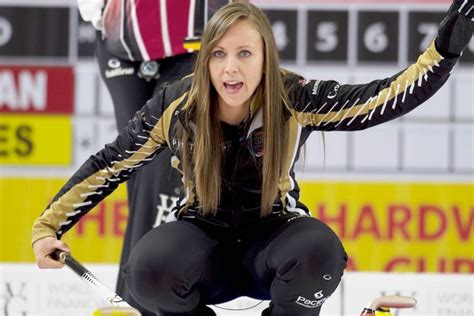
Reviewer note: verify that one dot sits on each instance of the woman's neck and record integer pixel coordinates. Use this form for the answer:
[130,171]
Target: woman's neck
[232,115]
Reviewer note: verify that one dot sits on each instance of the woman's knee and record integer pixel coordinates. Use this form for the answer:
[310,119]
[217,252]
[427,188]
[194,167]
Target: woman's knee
[308,260]
[147,270]
[305,247]
[165,264]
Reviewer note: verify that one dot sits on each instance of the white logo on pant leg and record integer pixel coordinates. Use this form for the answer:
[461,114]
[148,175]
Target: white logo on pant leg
[320,299]
[327,277]
[116,70]
[113,63]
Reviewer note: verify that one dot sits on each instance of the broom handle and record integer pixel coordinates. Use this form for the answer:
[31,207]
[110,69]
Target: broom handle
[88,277]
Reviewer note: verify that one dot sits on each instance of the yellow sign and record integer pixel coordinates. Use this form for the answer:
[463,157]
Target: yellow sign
[35,140]
[97,237]
[403,227]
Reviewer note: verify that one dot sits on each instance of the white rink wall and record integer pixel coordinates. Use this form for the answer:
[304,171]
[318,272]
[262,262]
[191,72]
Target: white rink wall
[27,291]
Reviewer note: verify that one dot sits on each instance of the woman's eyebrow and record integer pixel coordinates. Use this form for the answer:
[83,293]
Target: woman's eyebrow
[245,46]
[239,47]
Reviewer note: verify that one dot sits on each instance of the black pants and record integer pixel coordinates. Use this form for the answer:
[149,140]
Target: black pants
[296,263]
[154,188]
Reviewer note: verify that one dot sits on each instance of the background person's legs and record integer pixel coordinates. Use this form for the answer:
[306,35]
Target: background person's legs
[301,266]
[154,188]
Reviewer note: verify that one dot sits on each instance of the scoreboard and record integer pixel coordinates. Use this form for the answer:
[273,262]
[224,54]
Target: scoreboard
[358,34]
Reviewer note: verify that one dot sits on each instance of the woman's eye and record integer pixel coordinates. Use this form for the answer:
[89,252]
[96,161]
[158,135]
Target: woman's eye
[245,53]
[218,54]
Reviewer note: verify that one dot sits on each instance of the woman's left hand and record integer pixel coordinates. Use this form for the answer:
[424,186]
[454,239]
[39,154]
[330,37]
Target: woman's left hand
[455,31]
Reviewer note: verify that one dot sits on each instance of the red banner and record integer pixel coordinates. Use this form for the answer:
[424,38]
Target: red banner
[36,89]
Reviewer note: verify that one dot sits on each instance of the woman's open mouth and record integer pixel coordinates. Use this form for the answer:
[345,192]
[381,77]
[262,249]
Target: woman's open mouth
[233,87]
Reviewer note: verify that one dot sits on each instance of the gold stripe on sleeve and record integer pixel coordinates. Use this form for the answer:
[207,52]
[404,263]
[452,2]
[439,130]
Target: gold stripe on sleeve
[404,81]
[69,204]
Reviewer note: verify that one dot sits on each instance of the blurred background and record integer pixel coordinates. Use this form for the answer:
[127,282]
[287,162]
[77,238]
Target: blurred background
[400,196]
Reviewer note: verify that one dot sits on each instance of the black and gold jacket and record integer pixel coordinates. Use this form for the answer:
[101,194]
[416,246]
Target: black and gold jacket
[315,105]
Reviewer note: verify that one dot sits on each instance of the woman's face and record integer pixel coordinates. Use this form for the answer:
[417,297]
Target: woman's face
[236,66]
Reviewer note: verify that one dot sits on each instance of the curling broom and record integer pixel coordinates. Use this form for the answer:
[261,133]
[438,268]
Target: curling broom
[118,307]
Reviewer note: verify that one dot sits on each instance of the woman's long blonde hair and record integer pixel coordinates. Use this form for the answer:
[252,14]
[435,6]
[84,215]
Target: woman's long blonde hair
[202,168]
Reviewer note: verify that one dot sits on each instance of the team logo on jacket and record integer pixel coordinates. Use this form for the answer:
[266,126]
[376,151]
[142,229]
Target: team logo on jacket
[334,92]
[178,144]
[315,87]
[256,143]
